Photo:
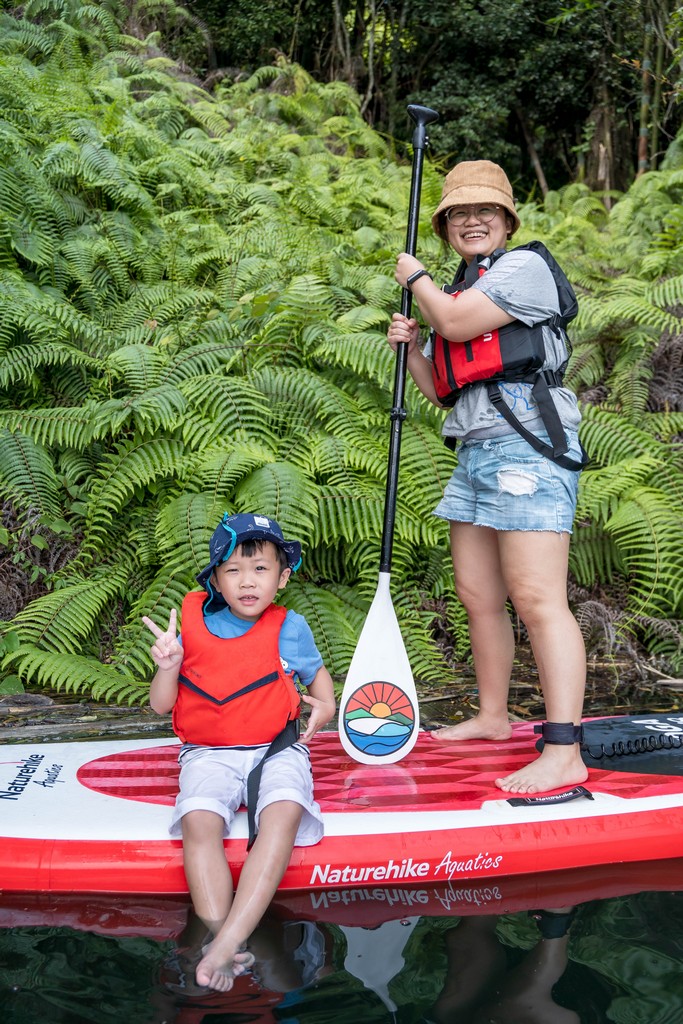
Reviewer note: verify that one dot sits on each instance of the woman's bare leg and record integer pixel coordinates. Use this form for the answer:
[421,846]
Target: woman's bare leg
[535,567]
[480,585]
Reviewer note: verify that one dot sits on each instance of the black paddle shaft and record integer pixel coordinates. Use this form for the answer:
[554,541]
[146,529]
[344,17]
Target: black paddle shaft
[422,116]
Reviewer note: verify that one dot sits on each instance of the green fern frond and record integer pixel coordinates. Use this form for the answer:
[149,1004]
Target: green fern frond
[593,555]
[667,293]
[609,438]
[649,533]
[72,673]
[60,621]
[62,427]
[600,489]
[426,466]
[153,410]
[230,406]
[218,469]
[27,474]
[138,365]
[183,529]
[283,492]
[631,374]
[131,465]
[586,365]
[363,319]
[353,515]
[206,357]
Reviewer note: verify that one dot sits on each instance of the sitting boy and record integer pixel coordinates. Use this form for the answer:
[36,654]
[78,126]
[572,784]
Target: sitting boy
[236,708]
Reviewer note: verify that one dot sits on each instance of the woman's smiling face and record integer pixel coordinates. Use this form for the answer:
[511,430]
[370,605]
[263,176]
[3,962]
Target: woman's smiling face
[475,238]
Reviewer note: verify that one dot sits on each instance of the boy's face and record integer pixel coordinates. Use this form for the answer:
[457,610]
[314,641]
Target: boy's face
[250,582]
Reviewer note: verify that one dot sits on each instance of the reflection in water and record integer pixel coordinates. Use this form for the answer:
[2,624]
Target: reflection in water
[483,988]
[370,956]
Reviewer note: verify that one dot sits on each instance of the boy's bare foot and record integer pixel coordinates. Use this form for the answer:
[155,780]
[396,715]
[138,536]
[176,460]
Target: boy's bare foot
[557,767]
[481,727]
[217,971]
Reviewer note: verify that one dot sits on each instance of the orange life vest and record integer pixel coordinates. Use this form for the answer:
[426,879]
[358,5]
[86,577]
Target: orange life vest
[232,692]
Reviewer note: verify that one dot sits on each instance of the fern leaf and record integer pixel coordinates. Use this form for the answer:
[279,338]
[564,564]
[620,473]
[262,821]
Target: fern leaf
[27,474]
[61,620]
[71,673]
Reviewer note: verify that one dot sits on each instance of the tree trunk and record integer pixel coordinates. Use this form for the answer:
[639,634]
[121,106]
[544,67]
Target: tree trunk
[646,79]
[371,58]
[342,46]
[533,153]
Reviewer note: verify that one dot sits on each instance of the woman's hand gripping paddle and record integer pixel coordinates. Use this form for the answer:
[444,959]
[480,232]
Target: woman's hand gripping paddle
[378,713]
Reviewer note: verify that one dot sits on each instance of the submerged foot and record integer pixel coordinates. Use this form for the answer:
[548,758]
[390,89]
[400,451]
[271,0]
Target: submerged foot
[218,970]
[558,767]
[481,727]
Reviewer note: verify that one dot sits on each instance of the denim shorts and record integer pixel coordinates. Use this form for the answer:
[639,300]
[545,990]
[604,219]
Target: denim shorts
[501,482]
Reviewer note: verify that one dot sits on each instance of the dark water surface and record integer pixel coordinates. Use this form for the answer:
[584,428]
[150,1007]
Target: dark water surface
[473,954]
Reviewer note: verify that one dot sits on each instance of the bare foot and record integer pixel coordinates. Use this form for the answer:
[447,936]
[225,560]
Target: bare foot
[217,971]
[481,727]
[557,767]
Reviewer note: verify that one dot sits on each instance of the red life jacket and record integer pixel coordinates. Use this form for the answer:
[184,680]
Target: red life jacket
[512,353]
[232,692]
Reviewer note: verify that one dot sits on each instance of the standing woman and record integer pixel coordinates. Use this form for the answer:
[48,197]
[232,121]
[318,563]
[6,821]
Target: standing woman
[510,508]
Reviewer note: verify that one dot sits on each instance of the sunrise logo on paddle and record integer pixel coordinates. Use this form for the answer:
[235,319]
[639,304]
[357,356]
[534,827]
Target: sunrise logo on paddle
[379,718]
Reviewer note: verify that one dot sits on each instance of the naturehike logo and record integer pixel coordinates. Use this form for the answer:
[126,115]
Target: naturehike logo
[393,869]
[407,898]
[450,899]
[379,718]
[27,770]
[28,767]
[405,870]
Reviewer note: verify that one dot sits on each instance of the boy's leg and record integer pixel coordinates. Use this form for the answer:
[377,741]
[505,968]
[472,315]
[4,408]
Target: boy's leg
[206,868]
[262,872]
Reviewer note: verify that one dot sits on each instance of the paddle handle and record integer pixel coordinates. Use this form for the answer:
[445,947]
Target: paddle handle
[422,116]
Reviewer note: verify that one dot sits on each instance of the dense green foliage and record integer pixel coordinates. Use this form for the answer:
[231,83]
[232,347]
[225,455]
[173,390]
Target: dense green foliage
[195,291]
[553,91]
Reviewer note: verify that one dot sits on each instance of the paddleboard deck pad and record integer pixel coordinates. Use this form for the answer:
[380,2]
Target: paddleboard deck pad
[93,817]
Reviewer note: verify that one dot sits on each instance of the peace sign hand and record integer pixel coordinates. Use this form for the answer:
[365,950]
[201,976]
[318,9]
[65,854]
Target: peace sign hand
[166,651]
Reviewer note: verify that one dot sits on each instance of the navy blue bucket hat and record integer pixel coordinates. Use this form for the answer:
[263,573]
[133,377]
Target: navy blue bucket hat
[234,530]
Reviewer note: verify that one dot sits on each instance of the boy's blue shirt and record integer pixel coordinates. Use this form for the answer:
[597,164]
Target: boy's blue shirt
[298,652]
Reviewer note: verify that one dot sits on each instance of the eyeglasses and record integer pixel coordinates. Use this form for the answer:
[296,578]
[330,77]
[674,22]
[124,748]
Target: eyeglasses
[459,214]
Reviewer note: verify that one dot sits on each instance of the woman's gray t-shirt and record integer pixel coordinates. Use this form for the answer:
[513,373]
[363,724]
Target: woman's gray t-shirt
[522,285]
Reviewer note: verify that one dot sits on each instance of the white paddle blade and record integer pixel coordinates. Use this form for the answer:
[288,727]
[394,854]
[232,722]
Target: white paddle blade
[379,716]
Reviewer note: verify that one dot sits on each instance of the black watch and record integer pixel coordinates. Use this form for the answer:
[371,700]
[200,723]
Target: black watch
[416,277]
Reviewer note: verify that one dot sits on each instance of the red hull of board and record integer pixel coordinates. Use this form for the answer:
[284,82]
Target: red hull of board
[436,818]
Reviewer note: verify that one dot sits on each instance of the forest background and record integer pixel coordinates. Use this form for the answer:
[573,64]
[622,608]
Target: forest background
[200,209]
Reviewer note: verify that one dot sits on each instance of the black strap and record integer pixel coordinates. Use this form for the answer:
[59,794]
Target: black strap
[284,739]
[560,733]
[552,798]
[542,382]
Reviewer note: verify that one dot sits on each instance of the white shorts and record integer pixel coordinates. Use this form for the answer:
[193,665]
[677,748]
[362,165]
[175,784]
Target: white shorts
[215,779]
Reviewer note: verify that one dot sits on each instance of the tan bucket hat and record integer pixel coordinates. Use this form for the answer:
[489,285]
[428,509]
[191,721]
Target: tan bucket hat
[476,181]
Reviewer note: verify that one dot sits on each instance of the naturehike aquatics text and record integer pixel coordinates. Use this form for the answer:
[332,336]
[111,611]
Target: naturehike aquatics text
[513,353]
